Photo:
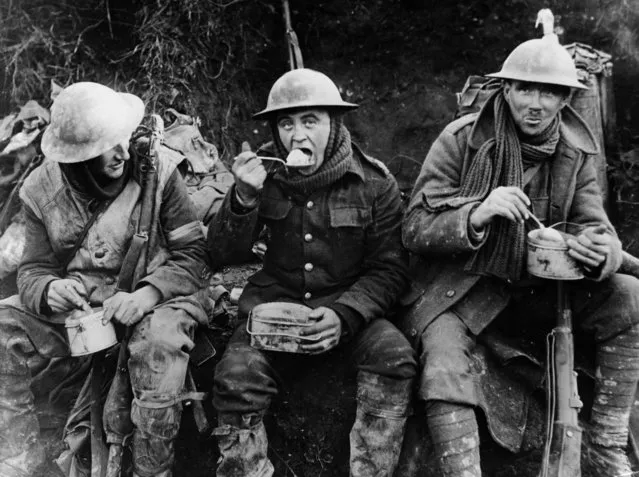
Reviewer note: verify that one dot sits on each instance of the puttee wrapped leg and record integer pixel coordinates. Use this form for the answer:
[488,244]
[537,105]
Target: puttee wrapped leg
[378,432]
[617,374]
[455,435]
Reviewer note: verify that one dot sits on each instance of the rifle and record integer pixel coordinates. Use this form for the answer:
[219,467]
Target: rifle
[117,408]
[563,435]
[294,53]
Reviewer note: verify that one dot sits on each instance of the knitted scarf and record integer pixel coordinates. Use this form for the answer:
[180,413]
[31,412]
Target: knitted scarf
[499,162]
[337,160]
[82,177]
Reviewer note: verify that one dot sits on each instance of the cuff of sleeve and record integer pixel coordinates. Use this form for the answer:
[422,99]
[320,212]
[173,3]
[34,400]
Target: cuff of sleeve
[476,237]
[40,293]
[44,307]
[352,320]
[238,207]
[157,284]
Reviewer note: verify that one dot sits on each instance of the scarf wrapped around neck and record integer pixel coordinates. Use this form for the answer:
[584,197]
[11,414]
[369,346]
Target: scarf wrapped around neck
[337,159]
[499,162]
[82,177]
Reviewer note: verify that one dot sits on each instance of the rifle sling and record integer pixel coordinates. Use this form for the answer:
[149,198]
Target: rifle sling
[127,271]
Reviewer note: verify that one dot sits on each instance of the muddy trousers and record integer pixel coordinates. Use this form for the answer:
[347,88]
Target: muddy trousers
[616,377]
[34,359]
[34,351]
[607,311]
[246,380]
[159,357]
[450,417]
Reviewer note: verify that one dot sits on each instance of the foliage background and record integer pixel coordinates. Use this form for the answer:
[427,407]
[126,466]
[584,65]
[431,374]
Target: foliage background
[217,58]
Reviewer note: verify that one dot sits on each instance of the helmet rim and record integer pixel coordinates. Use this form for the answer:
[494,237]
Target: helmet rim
[88,119]
[303,88]
[541,60]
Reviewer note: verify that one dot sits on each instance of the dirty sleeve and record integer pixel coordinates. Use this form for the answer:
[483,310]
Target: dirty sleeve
[186,270]
[232,233]
[447,231]
[39,265]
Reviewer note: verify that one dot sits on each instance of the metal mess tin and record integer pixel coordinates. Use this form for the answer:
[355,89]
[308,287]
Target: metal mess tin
[276,326]
[87,334]
[547,257]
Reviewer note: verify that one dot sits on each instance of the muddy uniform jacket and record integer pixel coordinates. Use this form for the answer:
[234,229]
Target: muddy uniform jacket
[339,247]
[56,215]
[442,242]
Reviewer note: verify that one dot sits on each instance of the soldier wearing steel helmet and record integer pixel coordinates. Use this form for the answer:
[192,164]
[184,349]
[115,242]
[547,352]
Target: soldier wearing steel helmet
[91,170]
[525,152]
[334,245]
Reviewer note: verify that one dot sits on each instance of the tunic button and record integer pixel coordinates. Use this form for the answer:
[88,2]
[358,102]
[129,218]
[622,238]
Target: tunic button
[100,253]
[309,204]
[307,296]
[413,332]
[308,237]
[450,293]
[109,280]
[308,267]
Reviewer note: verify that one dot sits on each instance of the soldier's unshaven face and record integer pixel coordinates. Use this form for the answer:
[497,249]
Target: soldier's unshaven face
[533,106]
[308,130]
[111,163]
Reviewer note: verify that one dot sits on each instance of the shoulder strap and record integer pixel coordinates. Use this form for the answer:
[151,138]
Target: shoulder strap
[78,243]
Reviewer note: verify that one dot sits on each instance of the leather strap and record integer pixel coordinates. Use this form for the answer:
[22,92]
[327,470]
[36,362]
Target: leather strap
[78,243]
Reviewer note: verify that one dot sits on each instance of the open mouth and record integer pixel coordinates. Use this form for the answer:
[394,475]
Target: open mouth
[300,157]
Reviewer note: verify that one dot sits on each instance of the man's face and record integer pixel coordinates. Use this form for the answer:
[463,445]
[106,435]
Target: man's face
[534,106]
[308,130]
[110,164]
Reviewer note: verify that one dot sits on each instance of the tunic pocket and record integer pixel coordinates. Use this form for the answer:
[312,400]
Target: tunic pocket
[348,239]
[351,217]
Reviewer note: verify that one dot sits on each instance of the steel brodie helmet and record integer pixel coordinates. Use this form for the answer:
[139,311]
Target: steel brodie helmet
[303,88]
[88,119]
[542,60]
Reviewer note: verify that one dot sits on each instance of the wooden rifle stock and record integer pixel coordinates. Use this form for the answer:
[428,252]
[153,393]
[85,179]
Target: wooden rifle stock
[117,408]
[563,435]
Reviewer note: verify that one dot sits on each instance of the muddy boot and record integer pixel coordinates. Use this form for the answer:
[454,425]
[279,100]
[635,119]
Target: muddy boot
[455,435]
[21,452]
[377,435]
[156,427]
[242,441]
[617,374]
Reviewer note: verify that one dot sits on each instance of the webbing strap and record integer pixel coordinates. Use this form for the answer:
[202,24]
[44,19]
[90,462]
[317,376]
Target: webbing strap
[188,396]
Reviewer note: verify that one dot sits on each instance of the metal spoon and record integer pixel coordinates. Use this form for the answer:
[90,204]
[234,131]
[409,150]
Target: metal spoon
[277,159]
[268,158]
[536,220]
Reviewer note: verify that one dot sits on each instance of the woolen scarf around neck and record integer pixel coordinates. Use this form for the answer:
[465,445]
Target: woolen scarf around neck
[337,160]
[83,180]
[499,162]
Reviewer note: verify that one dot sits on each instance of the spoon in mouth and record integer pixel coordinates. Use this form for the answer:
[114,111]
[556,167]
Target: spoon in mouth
[296,158]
